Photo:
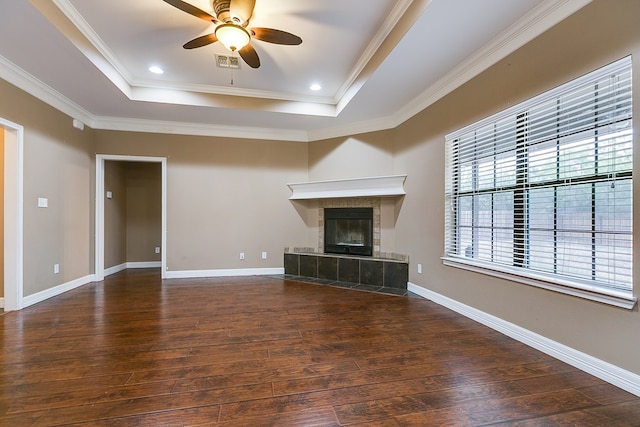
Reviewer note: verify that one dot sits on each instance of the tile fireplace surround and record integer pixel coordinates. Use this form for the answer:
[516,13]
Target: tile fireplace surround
[382,270]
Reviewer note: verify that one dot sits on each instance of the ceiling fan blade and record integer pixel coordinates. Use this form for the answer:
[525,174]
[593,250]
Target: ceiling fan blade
[243,9]
[201,41]
[250,56]
[275,36]
[191,10]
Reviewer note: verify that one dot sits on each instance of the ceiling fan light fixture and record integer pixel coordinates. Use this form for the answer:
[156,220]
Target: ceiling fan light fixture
[232,36]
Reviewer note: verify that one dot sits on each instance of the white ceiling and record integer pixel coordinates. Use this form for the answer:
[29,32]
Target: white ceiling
[379,61]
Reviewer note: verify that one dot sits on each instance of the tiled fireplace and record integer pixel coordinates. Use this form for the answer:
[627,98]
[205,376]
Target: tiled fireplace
[348,231]
[374,272]
[375,269]
[372,203]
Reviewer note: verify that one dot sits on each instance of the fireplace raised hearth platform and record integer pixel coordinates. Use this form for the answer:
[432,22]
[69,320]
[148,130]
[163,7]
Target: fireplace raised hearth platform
[374,274]
[348,285]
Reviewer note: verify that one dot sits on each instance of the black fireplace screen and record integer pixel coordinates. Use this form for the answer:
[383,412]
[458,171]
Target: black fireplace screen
[348,231]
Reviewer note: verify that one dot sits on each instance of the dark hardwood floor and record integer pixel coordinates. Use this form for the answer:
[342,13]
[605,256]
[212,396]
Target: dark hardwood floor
[263,351]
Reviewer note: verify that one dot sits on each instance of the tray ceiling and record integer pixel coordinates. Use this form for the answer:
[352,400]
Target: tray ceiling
[378,62]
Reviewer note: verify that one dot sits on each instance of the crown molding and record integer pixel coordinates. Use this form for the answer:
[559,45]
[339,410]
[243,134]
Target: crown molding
[28,83]
[232,91]
[83,26]
[103,58]
[389,26]
[546,15]
[36,88]
[355,128]
[199,99]
[536,22]
[196,129]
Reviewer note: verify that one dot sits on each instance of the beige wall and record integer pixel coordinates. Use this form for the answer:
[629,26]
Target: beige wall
[225,196]
[1,213]
[115,214]
[144,210]
[57,165]
[599,34]
[357,156]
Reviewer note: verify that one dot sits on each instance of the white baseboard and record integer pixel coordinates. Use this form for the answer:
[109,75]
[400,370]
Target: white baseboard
[613,374]
[65,287]
[188,274]
[56,290]
[62,288]
[144,264]
[115,269]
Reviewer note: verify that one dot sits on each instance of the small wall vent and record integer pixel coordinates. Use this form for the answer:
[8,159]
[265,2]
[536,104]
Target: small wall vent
[224,61]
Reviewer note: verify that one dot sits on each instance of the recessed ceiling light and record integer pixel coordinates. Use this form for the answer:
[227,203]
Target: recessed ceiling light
[156,70]
[315,86]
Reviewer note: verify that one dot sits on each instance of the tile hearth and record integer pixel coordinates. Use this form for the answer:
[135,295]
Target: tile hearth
[349,285]
[373,274]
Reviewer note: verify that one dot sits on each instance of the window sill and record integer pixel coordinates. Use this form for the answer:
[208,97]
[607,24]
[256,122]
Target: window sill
[618,299]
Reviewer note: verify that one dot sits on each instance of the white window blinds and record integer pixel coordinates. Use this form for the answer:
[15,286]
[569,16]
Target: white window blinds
[545,188]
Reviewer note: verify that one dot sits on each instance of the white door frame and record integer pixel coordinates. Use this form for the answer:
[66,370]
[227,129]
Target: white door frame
[99,223]
[13,215]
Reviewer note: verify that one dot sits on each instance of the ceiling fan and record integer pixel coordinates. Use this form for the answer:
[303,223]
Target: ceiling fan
[232,20]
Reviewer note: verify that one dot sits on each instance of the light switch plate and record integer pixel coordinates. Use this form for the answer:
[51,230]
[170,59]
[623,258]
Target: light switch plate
[109,195]
[43,202]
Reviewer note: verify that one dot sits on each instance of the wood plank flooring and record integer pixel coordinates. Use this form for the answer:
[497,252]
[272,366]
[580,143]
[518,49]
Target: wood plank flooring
[135,350]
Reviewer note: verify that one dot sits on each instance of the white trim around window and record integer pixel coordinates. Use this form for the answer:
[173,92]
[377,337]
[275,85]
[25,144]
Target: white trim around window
[541,193]
[582,290]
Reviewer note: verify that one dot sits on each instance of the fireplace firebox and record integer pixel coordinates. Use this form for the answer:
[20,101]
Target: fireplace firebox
[348,231]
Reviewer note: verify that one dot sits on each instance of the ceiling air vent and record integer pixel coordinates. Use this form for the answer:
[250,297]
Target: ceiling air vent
[224,61]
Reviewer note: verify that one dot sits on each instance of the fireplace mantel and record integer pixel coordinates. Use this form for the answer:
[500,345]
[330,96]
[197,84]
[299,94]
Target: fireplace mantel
[379,186]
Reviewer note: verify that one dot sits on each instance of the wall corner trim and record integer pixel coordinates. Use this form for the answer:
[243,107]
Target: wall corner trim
[606,371]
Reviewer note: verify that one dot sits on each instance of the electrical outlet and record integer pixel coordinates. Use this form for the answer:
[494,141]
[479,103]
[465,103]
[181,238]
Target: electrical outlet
[157,249]
[419,268]
[264,255]
[56,268]
[241,255]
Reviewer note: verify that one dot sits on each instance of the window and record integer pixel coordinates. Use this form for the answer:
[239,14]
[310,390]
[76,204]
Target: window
[542,192]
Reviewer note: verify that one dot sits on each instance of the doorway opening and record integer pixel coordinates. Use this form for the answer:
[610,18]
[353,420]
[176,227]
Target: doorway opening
[101,196]
[12,236]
